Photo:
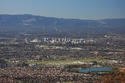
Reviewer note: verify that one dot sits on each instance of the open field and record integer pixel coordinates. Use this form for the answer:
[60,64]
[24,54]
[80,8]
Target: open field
[64,62]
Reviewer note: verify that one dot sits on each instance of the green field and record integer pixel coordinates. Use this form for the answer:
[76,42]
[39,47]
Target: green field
[63,62]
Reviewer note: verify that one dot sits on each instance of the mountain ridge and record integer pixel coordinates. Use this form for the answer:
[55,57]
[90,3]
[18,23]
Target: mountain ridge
[60,24]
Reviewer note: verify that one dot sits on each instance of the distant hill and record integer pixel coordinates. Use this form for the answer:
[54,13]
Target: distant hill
[59,24]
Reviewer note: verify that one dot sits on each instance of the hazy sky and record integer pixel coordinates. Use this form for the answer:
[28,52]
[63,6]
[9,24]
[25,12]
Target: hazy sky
[83,9]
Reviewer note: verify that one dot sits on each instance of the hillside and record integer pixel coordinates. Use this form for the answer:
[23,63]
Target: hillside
[26,21]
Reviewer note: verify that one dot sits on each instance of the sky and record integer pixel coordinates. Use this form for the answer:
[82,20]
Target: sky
[80,9]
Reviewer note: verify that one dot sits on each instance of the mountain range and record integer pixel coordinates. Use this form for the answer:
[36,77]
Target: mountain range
[42,23]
